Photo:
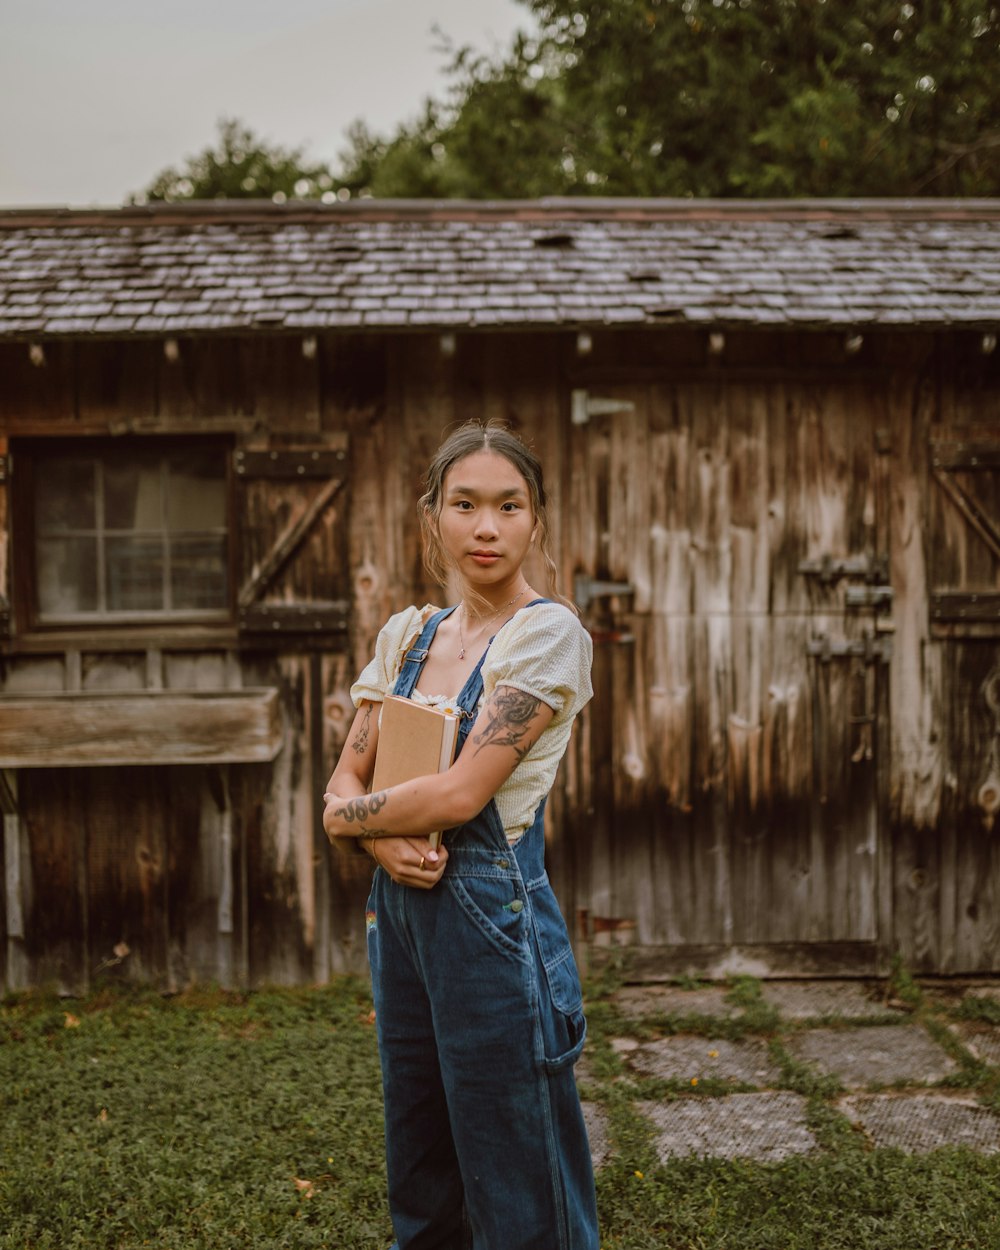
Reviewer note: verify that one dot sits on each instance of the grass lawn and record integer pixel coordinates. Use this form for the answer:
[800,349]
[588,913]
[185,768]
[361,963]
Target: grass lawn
[221,1121]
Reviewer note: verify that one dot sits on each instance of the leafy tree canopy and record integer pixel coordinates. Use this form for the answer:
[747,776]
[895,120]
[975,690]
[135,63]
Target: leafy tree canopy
[710,98]
[768,98]
[241,166]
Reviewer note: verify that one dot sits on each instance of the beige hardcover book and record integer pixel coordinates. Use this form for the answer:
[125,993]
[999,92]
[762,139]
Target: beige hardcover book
[414,740]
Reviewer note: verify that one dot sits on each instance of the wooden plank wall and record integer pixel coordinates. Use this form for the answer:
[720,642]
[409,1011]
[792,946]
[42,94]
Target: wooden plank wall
[179,874]
[945,727]
[725,791]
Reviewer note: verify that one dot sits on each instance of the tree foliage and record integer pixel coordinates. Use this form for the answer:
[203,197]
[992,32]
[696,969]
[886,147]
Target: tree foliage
[710,98]
[241,166]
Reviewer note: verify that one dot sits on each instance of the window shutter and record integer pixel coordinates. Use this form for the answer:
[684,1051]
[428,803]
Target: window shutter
[291,539]
[964,539]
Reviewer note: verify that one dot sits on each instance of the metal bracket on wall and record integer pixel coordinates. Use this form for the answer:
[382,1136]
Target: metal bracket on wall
[586,589]
[869,648]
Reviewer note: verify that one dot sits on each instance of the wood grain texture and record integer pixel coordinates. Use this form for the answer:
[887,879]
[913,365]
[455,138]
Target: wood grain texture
[729,801]
[151,727]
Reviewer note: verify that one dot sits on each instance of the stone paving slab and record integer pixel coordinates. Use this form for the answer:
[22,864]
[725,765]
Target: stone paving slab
[597,1132]
[687,1058]
[809,1000]
[768,1126]
[918,1123]
[984,991]
[981,1040]
[877,1055]
[636,1001]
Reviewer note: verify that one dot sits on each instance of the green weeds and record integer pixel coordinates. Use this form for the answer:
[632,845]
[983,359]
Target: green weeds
[212,1120]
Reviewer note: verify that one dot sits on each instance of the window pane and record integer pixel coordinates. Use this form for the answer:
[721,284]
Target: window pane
[132,494]
[134,574]
[64,495]
[67,576]
[196,493]
[198,573]
[132,527]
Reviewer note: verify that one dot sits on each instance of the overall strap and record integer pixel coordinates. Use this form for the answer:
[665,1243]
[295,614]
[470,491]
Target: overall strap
[472,691]
[409,669]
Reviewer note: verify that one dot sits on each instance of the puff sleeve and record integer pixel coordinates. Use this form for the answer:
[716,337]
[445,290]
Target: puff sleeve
[379,674]
[546,652]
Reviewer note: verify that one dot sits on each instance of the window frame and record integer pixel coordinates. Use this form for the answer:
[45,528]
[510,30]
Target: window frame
[25,455]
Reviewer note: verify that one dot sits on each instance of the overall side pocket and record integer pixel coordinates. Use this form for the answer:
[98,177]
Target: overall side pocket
[495,908]
[564,1028]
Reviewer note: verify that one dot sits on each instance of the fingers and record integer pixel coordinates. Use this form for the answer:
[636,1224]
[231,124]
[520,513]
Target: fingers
[411,861]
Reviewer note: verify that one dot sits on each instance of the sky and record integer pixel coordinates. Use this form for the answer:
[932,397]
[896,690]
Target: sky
[98,96]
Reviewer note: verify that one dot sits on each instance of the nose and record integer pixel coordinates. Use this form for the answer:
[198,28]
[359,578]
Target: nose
[486,524]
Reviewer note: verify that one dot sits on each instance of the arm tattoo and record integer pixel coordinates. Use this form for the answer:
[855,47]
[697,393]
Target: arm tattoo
[359,743]
[510,714]
[360,809]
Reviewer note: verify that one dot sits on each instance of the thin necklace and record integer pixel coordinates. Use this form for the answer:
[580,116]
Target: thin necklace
[461,613]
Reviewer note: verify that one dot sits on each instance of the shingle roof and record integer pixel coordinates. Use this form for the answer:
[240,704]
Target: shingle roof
[245,266]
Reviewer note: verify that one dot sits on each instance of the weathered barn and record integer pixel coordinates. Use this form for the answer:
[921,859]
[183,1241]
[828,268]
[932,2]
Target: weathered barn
[772,433]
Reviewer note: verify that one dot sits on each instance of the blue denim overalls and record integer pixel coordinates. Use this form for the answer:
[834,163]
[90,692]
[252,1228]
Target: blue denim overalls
[480,1019]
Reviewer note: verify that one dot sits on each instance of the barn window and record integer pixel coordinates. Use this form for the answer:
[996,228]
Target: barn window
[130,533]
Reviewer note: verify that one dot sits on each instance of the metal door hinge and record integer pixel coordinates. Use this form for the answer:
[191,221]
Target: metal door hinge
[583,406]
[967,606]
[868,597]
[586,589]
[303,462]
[295,618]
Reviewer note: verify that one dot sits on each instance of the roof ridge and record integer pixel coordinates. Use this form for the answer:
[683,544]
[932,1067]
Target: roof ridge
[547,209]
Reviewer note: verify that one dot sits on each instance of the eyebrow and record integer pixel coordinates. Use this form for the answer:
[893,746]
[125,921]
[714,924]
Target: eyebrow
[514,492]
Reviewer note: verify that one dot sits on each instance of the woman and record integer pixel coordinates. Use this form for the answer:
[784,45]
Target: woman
[477,1000]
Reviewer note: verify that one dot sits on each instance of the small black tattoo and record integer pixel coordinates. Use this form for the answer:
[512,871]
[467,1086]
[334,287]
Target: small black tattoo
[361,809]
[359,743]
[510,713]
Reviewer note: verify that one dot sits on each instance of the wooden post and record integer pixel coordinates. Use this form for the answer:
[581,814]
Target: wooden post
[16,962]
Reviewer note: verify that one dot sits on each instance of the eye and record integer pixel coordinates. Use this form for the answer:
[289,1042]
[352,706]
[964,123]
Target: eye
[510,506]
[463,505]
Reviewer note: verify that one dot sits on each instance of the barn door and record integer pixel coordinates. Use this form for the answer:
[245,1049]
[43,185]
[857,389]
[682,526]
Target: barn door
[728,543]
[950,913]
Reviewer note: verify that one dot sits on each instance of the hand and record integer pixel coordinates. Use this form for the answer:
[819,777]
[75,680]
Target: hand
[401,859]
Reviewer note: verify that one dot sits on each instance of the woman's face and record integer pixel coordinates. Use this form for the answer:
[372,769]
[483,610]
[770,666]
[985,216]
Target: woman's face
[486,522]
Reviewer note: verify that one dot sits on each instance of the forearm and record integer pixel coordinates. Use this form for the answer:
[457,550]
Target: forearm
[424,805]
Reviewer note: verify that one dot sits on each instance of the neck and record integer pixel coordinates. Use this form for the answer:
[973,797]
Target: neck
[482,602]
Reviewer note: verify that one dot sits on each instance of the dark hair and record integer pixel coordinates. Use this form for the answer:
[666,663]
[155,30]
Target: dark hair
[469,438]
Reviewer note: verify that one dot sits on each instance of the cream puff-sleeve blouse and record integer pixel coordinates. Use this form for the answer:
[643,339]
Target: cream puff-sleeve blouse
[542,650]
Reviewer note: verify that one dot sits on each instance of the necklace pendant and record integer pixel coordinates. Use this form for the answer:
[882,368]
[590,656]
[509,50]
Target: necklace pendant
[461,654]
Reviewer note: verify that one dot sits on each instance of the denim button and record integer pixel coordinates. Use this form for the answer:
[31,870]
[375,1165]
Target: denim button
[517,905]
[503,863]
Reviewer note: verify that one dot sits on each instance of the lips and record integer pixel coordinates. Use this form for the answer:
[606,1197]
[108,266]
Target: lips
[485,557]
